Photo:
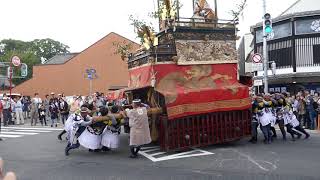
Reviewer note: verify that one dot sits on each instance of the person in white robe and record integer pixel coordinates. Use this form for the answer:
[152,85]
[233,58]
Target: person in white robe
[139,127]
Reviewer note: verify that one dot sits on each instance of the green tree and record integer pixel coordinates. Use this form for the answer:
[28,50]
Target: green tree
[26,57]
[47,48]
[31,52]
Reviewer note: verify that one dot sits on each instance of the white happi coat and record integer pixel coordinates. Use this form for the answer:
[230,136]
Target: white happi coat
[139,126]
[88,138]
[291,119]
[110,135]
[72,125]
[69,122]
[266,117]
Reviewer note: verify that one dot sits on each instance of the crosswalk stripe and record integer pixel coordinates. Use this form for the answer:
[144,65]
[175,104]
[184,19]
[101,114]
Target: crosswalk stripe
[9,136]
[19,133]
[30,130]
[48,129]
[16,132]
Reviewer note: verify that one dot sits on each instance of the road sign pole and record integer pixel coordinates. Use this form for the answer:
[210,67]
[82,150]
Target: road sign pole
[265,56]
[10,79]
[90,87]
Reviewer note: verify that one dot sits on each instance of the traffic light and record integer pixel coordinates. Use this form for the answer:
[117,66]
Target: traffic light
[267,23]
[24,70]
[9,72]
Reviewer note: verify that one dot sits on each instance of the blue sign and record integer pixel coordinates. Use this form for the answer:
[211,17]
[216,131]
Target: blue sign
[93,71]
[91,74]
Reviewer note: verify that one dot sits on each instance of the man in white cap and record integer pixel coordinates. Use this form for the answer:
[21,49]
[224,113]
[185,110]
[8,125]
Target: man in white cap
[139,127]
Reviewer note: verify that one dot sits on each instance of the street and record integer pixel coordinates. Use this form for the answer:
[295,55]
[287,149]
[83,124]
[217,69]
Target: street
[40,155]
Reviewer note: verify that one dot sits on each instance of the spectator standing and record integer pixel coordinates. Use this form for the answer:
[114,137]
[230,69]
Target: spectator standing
[25,107]
[64,110]
[311,112]
[34,114]
[18,110]
[6,110]
[46,106]
[52,96]
[43,115]
[59,113]
[54,110]
[302,111]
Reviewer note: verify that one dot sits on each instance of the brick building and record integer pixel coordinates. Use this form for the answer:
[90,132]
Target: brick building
[66,73]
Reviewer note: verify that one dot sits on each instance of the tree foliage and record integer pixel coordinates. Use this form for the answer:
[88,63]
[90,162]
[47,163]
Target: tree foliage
[47,48]
[239,8]
[30,52]
[123,49]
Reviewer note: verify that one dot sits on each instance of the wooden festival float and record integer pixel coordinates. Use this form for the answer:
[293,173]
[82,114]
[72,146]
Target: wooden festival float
[188,72]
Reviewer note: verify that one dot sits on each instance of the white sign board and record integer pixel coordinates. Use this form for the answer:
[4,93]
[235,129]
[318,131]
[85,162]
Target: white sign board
[257,67]
[257,82]
[257,58]
[15,61]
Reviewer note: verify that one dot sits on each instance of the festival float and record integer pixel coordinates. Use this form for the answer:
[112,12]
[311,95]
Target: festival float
[188,74]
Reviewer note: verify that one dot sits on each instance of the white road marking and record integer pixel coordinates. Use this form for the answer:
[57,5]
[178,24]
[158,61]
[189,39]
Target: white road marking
[29,130]
[155,151]
[9,136]
[150,150]
[48,129]
[15,132]
[249,158]
[19,133]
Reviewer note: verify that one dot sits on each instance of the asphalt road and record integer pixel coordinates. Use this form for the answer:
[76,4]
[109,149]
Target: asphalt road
[41,157]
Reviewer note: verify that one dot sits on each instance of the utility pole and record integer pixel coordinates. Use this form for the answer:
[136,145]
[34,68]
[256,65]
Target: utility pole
[216,8]
[265,55]
[90,87]
[91,74]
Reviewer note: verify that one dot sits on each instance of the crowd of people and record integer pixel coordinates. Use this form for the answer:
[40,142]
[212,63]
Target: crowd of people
[295,113]
[48,111]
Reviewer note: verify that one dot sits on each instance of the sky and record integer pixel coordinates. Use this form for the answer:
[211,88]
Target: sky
[80,23]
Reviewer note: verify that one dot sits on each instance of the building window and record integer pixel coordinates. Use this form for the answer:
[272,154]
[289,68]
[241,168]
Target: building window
[316,54]
[282,57]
